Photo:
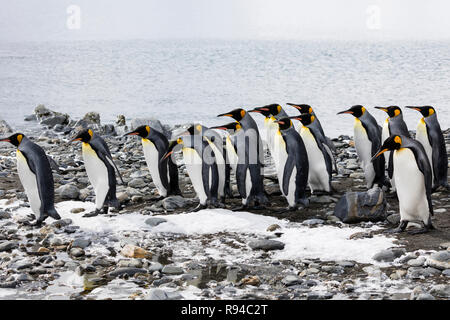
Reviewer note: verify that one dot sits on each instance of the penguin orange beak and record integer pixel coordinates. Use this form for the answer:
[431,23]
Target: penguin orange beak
[75,139]
[225,115]
[415,108]
[379,154]
[133,133]
[345,112]
[296,118]
[5,140]
[219,128]
[381,108]
[168,154]
[293,105]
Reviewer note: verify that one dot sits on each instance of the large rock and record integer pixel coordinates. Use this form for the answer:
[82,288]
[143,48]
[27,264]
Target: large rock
[175,202]
[91,118]
[68,191]
[132,251]
[266,245]
[49,117]
[355,207]
[389,255]
[5,128]
[153,123]
[439,260]
[153,222]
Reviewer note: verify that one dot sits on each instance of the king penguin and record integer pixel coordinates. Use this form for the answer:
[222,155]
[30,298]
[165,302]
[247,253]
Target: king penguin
[249,171]
[367,141]
[429,133]
[216,143]
[394,125]
[413,179]
[319,158]
[100,170]
[36,177]
[233,130]
[306,108]
[293,166]
[271,112]
[201,167]
[164,173]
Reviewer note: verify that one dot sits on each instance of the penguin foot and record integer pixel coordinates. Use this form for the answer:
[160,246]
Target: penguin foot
[394,231]
[198,208]
[286,210]
[418,231]
[240,208]
[91,214]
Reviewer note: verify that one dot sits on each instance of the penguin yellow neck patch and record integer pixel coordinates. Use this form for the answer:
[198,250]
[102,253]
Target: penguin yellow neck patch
[242,113]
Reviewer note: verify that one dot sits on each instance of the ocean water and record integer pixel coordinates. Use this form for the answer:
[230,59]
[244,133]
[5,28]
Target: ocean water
[185,81]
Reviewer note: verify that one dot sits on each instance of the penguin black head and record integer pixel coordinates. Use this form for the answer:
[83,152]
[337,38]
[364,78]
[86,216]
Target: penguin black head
[357,111]
[193,130]
[236,114]
[15,139]
[84,136]
[392,111]
[170,149]
[392,143]
[232,126]
[284,123]
[302,108]
[426,111]
[142,131]
[267,111]
[305,118]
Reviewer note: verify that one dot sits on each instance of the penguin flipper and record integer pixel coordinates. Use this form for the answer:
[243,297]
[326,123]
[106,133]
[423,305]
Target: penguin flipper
[333,159]
[424,166]
[391,165]
[439,156]
[287,173]
[241,175]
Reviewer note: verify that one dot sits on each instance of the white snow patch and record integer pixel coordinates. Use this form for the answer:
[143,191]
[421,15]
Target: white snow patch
[328,243]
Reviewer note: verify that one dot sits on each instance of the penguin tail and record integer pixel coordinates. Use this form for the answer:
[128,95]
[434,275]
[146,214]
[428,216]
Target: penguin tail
[54,214]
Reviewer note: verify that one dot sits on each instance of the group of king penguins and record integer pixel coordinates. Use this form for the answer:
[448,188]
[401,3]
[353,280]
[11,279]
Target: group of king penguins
[303,157]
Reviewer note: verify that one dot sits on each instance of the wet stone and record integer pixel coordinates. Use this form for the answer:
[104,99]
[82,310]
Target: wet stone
[153,222]
[172,270]
[266,245]
[81,243]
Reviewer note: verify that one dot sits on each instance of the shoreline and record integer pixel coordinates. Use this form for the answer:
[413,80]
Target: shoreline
[409,273]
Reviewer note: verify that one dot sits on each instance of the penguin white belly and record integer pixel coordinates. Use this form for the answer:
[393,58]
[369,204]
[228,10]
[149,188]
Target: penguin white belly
[231,154]
[385,135]
[97,174]
[290,197]
[318,173]
[248,186]
[422,137]
[410,187]
[193,164]
[267,129]
[280,157]
[152,159]
[29,183]
[364,150]
[220,161]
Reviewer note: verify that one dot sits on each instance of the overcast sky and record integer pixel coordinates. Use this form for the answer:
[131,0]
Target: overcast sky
[248,19]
